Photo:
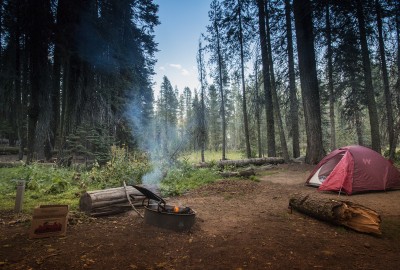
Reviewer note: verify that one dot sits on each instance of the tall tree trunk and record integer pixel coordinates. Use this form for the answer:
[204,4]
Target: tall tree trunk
[359,130]
[369,89]
[244,102]
[397,85]
[308,78]
[38,52]
[221,91]
[18,93]
[1,31]
[24,95]
[277,109]
[269,110]
[257,109]
[294,104]
[63,106]
[330,78]
[398,65]
[203,107]
[55,97]
[388,98]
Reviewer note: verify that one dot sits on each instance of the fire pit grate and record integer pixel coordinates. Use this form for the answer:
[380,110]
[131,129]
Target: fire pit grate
[158,213]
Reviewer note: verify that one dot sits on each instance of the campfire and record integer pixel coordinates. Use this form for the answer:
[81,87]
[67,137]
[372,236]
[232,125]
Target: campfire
[158,213]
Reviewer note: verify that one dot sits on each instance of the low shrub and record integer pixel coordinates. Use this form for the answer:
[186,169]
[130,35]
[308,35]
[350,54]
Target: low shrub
[184,177]
[122,167]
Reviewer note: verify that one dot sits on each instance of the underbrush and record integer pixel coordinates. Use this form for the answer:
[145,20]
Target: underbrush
[211,156]
[184,177]
[44,185]
[47,184]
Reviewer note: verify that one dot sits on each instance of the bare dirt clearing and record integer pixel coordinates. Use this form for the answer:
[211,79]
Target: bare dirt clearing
[240,224]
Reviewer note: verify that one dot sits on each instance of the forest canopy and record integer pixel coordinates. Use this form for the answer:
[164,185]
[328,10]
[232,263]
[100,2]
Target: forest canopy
[277,78]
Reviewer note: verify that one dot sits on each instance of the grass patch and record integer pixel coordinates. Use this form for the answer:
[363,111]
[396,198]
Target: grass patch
[44,185]
[54,185]
[184,177]
[211,156]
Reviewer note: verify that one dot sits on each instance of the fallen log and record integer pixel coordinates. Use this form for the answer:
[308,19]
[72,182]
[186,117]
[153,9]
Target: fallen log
[243,162]
[345,213]
[243,173]
[110,200]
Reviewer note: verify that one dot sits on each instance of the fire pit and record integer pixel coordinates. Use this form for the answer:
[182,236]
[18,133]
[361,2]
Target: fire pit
[158,213]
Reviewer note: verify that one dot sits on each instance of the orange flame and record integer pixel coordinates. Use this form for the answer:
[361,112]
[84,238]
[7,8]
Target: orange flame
[176,209]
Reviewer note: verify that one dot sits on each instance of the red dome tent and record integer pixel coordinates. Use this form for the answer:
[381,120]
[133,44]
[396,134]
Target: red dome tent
[354,169]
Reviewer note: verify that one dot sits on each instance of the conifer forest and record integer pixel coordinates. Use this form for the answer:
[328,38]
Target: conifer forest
[277,78]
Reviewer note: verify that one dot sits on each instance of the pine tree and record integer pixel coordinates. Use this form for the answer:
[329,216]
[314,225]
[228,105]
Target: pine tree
[218,56]
[308,78]
[239,30]
[369,89]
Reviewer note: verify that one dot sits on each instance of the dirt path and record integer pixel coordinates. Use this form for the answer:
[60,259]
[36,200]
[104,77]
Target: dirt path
[239,225]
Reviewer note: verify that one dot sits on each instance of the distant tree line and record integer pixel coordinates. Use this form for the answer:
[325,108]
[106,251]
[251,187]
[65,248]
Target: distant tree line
[312,75]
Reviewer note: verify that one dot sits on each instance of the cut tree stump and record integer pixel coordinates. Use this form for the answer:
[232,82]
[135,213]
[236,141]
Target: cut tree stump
[110,201]
[244,162]
[351,215]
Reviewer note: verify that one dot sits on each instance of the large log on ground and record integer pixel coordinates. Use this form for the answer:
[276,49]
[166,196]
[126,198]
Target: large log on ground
[112,199]
[244,162]
[351,215]
[243,173]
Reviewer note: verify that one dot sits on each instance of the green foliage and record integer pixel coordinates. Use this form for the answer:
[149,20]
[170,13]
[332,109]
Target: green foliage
[185,177]
[254,178]
[396,156]
[8,177]
[91,143]
[50,180]
[121,167]
[44,185]
[211,156]
[57,185]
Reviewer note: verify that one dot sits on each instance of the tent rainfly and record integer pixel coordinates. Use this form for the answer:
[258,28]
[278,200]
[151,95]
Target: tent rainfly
[354,169]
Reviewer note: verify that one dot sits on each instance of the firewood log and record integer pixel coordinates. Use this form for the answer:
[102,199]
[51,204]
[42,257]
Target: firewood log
[345,213]
[106,198]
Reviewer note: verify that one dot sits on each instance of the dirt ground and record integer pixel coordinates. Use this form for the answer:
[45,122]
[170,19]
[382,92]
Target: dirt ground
[240,224]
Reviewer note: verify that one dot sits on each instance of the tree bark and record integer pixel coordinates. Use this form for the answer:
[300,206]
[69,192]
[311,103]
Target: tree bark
[348,214]
[369,89]
[330,78]
[55,97]
[244,100]
[388,98]
[277,109]
[294,104]
[38,52]
[221,91]
[397,87]
[109,199]
[308,78]
[18,93]
[257,109]
[269,110]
